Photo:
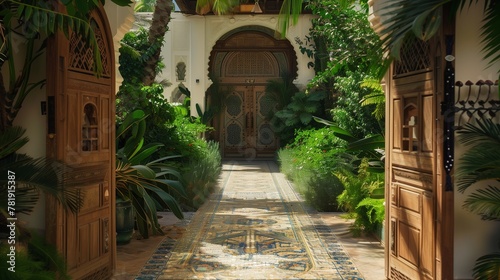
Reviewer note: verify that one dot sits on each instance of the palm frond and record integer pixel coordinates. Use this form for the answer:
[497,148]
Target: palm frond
[481,161]
[34,176]
[485,202]
[487,267]
[422,19]
[289,15]
[11,140]
[490,34]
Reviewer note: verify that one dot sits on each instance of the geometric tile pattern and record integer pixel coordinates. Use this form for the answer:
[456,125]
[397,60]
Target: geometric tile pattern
[254,227]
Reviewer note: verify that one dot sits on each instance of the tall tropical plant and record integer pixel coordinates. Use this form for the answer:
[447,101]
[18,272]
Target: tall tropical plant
[148,184]
[481,162]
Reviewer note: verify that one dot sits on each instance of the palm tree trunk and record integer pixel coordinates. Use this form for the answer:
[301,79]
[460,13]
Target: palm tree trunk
[159,26]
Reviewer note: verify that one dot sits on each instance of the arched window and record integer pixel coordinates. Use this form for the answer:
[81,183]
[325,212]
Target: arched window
[90,129]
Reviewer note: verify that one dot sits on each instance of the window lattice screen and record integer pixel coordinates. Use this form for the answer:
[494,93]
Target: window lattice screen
[82,56]
[414,57]
[251,64]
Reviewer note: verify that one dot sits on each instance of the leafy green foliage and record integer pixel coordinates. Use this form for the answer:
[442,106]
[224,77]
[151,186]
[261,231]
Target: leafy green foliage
[298,114]
[201,175]
[149,184]
[485,202]
[348,112]
[356,198]
[38,260]
[135,50]
[149,99]
[342,40]
[487,267]
[375,97]
[310,162]
[280,92]
[33,176]
[479,163]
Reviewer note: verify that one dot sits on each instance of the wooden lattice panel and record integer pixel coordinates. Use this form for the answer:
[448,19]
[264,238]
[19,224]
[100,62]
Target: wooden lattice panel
[101,274]
[251,64]
[82,56]
[398,275]
[414,57]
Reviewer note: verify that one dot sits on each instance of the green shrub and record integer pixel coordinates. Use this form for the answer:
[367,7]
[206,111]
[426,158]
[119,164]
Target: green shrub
[348,112]
[201,175]
[310,162]
[298,114]
[368,212]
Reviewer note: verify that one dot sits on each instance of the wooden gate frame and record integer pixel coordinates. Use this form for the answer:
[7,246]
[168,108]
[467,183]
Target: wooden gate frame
[444,206]
[57,65]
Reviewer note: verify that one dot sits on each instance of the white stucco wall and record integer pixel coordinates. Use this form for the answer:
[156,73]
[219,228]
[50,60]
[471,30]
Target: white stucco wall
[30,117]
[473,237]
[191,38]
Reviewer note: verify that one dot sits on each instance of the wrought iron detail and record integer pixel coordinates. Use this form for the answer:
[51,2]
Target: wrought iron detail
[448,113]
[414,57]
[476,101]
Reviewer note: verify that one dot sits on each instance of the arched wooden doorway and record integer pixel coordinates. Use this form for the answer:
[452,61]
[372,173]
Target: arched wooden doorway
[241,63]
[81,120]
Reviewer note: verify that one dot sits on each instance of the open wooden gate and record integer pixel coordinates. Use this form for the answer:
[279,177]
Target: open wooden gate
[419,214]
[81,118]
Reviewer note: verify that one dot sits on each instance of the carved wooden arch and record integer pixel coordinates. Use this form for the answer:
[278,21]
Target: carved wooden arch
[248,41]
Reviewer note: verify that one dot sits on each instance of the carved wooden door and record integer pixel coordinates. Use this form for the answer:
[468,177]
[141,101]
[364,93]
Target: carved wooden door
[419,211]
[246,130]
[81,134]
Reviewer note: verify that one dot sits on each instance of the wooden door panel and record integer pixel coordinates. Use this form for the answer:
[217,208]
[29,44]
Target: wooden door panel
[412,167]
[266,140]
[82,136]
[247,132]
[234,123]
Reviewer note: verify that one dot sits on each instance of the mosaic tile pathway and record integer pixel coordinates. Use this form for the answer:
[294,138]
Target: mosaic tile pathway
[254,227]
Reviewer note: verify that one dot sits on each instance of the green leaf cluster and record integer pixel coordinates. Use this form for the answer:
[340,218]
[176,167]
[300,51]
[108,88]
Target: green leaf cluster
[298,114]
[149,184]
[481,163]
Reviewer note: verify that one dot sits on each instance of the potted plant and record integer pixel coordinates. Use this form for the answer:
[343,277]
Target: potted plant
[145,184]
